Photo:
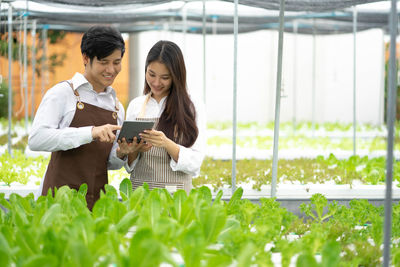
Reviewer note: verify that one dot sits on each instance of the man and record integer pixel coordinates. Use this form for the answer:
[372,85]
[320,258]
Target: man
[77,119]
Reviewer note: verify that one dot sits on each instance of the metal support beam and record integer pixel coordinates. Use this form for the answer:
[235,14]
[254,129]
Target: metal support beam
[294,95]
[10,61]
[354,79]
[278,99]
[391,116]
[44,60]
[33,60]
[25,73]
[234,122]
[204,51]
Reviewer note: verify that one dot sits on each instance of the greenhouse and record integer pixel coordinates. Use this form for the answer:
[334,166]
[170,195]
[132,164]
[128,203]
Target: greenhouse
[286,153]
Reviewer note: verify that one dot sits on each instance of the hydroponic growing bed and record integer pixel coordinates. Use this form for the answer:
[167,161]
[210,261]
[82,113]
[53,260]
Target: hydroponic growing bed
[339,177]
[155,228]
[327,211]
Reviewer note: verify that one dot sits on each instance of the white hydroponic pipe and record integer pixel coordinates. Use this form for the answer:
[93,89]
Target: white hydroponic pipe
[391,116]
[277,99]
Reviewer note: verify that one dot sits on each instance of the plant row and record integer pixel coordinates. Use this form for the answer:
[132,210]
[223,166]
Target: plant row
[304,142]
[149,228]
[320,170]
[301,126]
[218,173]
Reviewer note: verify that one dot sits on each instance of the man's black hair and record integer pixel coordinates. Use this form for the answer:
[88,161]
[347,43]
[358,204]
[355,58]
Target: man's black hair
[102,41]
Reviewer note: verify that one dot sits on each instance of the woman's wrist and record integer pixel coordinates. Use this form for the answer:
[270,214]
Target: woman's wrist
[172,149]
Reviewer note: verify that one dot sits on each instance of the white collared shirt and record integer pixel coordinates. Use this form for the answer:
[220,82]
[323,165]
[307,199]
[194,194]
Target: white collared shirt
[50,129]
[190,158]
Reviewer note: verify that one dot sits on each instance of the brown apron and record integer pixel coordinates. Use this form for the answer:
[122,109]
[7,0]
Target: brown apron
[86,163]
[153,167]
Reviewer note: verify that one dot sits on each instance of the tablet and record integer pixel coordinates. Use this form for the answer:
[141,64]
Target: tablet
[130,129]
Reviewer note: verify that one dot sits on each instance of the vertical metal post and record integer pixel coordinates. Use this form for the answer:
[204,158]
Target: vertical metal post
[391,116]
[10,61]
[204,51]
[44,59]
[234,122]
[354,79]
[25,73]
[272,73]
[33,60]
[294,76]
[313,80]
[382,85]
[278,99]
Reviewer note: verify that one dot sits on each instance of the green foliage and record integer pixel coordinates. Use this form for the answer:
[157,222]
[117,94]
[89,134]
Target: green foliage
[315,209]
[20,168]
[148,228]
[217,173]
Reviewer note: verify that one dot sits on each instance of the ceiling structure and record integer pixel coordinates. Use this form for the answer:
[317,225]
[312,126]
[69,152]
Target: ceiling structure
[305,16]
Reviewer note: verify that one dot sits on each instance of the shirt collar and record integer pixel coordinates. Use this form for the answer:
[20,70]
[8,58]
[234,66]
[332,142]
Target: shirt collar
[78,80]
[162,101]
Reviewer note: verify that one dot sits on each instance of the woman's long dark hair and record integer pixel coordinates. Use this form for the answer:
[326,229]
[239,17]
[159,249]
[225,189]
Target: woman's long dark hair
[178,120]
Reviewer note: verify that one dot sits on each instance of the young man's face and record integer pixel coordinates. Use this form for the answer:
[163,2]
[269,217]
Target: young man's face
[101,73]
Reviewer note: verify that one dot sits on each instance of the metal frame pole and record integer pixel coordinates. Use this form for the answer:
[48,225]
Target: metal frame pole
[354,79]
[25,73]
[314,41]
[44,60]
[391,116]
[10,61]
[234,122]
[278,99]
[295,28]
[204,51]
[33,60]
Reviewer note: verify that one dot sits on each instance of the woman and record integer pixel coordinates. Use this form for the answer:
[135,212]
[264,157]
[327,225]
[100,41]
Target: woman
[171,154]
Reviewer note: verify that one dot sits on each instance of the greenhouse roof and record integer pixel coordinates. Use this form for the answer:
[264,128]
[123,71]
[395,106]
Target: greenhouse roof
[309,16]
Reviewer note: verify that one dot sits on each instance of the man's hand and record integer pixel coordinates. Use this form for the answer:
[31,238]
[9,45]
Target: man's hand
[105,133]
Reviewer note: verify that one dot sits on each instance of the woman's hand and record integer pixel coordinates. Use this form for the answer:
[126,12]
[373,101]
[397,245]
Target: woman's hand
[125,148]
[154,137]
[158,139]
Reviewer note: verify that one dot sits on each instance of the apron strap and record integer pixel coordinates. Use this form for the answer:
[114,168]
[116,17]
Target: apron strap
[80,104]
[143,110]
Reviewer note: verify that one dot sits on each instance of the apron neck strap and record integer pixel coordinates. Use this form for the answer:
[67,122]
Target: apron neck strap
[143,110]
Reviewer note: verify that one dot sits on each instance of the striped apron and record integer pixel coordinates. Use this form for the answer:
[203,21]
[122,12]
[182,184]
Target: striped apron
[153,166]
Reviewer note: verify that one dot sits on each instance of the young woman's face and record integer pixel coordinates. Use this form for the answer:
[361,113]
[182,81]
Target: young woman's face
[159,79]
[101,73]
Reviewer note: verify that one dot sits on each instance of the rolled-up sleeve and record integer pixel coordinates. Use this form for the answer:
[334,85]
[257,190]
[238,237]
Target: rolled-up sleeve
[46,134]
[114,162]
[191,158]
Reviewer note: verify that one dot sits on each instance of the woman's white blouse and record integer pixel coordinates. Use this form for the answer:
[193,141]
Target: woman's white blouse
[50,129]
[190,158]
